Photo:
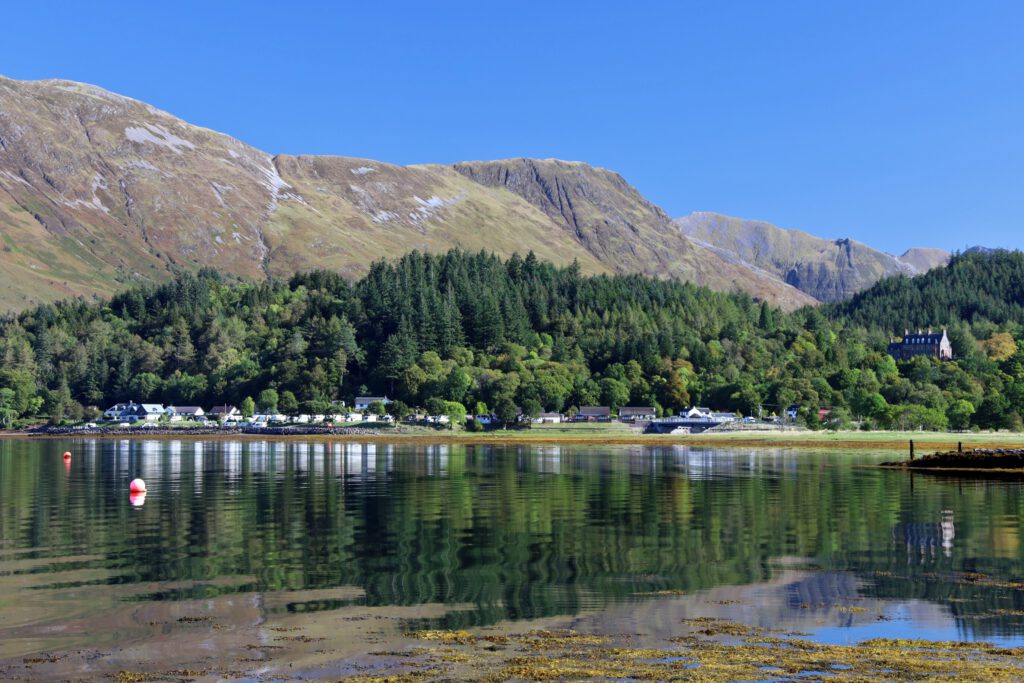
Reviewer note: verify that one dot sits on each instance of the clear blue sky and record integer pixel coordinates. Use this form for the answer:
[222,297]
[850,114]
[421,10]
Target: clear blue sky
[896,123]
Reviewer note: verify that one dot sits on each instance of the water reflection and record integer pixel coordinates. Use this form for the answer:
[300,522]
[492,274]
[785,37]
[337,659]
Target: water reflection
[787,539]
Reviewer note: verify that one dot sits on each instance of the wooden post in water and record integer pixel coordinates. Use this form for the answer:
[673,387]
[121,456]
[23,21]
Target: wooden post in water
[959,446]
[911,449]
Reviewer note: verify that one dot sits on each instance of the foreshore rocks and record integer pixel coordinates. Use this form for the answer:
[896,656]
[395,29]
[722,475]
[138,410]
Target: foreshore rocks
[974,459]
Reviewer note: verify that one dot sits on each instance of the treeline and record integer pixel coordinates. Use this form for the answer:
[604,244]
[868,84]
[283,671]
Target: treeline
[486,334]
[975,288]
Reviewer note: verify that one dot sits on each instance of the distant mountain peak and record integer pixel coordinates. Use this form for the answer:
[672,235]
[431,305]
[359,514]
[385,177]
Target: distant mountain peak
[828,270]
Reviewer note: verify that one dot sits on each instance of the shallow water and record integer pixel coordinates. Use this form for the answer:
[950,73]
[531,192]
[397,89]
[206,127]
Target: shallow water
[606,539]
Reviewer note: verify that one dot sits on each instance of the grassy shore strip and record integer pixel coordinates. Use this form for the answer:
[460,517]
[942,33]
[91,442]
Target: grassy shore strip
[589,435]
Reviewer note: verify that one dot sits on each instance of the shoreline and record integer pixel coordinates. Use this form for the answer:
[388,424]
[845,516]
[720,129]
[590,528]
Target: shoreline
[539,437]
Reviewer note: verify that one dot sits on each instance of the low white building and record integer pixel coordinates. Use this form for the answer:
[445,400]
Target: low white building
[363,402]
[268,418]
[185,413]
[547,418]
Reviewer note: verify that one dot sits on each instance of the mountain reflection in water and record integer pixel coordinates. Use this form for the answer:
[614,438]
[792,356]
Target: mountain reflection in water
[789,539]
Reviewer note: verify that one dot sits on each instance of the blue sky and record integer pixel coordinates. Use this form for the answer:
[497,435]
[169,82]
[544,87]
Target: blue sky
[895,123]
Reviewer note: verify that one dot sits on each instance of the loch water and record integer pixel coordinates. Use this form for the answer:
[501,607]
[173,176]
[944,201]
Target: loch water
[460,536]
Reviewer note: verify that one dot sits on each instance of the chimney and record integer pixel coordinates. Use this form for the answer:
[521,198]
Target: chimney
[906,333]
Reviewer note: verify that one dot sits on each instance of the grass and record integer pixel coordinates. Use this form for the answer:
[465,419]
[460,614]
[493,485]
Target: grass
[600,434]
[923,441]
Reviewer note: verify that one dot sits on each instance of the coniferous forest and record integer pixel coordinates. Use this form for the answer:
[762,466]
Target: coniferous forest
[490,335]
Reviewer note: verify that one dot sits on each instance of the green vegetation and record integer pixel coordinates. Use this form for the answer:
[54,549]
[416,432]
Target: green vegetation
[466,330]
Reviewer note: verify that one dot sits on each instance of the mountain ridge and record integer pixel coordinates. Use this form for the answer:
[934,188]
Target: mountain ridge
[98,190]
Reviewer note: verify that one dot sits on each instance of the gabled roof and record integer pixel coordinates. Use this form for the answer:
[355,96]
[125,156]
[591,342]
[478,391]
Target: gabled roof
[223,410]
[371,399]
[921,337]
[595,410]
[186,410]
[637,410]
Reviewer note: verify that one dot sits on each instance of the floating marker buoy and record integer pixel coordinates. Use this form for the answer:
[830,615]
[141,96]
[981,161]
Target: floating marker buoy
[137,498]
[137,486]
[67,455]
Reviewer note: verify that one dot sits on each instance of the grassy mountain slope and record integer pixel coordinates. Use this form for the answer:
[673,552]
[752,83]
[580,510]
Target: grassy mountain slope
[828,270]
[99,190]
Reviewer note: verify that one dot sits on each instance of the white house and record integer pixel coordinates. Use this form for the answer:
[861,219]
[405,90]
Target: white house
[363,402]
[146,412]
[117,411]
[182,413]
[354,417]
[698,413]
[225,413]
[547,418]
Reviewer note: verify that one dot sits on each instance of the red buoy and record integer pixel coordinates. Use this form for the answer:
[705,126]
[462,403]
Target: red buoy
[67,456]
[137,486]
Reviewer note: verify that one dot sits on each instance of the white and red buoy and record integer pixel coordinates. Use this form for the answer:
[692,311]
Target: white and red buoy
[67,456]
[137,486]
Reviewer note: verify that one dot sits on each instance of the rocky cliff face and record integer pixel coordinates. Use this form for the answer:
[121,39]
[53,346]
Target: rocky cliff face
[99,190]
[828,270]
[613,221]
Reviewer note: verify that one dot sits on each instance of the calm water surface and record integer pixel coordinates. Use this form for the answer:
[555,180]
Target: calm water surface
[619,538]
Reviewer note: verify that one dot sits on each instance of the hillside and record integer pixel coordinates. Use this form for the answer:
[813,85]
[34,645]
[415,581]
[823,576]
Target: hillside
[828,270]
[99,190]
[984,287]
[471,329]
